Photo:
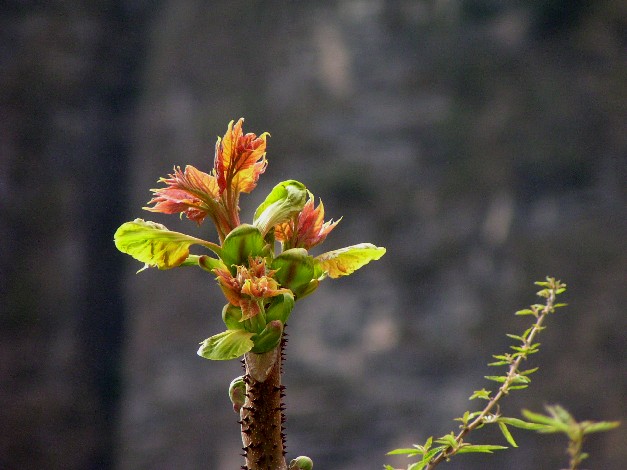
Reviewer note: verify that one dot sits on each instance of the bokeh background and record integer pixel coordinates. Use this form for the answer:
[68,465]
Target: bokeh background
[482,142]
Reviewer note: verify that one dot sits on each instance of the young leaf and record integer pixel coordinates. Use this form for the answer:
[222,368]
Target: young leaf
[600,426]
[294,269]
[508,436]
[487,449]
[239,159]
[155,245]
[347,260]
[496,378]
[519,423]
[280,308]
[269,338]
[410,452]
[241,243]
[483,394]
[229,344]
[284,201]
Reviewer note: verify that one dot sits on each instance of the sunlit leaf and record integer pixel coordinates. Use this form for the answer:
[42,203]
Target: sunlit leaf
[508,436]
[347,260]
[155,245]
[487,449]
[191,192]
[410,452]
[307,230]
[239,159]
[284,201]
[229,344]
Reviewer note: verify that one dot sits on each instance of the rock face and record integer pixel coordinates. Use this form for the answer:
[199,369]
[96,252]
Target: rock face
[480,142]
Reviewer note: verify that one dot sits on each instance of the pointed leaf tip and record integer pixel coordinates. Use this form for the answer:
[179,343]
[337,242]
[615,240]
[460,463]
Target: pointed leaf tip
[229,344]
[347,260]
[153,244]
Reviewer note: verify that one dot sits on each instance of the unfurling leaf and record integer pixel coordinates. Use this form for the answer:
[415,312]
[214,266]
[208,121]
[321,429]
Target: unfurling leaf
[347,260]
[307,230]
[269,338]
[284,201]
[190,192]
[155,245]
[280,308]
[239,159]
[244,242]
[294,270]
[229,344]
[232,317]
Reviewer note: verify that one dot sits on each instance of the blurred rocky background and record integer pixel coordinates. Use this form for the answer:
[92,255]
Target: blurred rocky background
[482,142]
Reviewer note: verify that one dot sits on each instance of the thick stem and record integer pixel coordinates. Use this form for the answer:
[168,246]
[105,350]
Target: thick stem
[262,414]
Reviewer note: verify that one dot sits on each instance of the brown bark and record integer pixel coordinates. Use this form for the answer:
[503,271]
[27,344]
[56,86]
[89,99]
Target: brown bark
[262,414]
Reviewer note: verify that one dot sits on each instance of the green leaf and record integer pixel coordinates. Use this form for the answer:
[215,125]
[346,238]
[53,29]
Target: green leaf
[498,363]
[295,270]
[229,344]
[347,260]
[269,338]
[525,311]
[448,440]
[232,317]
[551,424]
[508,436]
[496,378]
[519,423]
[466,449]
[284,201]
[600,426]
[242,242]
[155,245]
[280,308]
[483,394]
[410,452]
[529,371]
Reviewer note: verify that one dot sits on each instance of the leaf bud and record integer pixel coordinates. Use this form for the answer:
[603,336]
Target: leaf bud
[237,393]
[301,463]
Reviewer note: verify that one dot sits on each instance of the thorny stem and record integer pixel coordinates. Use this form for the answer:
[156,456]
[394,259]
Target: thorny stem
[261,417]
[512,375]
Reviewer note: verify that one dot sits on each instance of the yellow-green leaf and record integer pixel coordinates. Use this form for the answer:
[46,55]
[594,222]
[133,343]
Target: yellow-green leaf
[286,199]
[153,244]
[347,260]
[229,344]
